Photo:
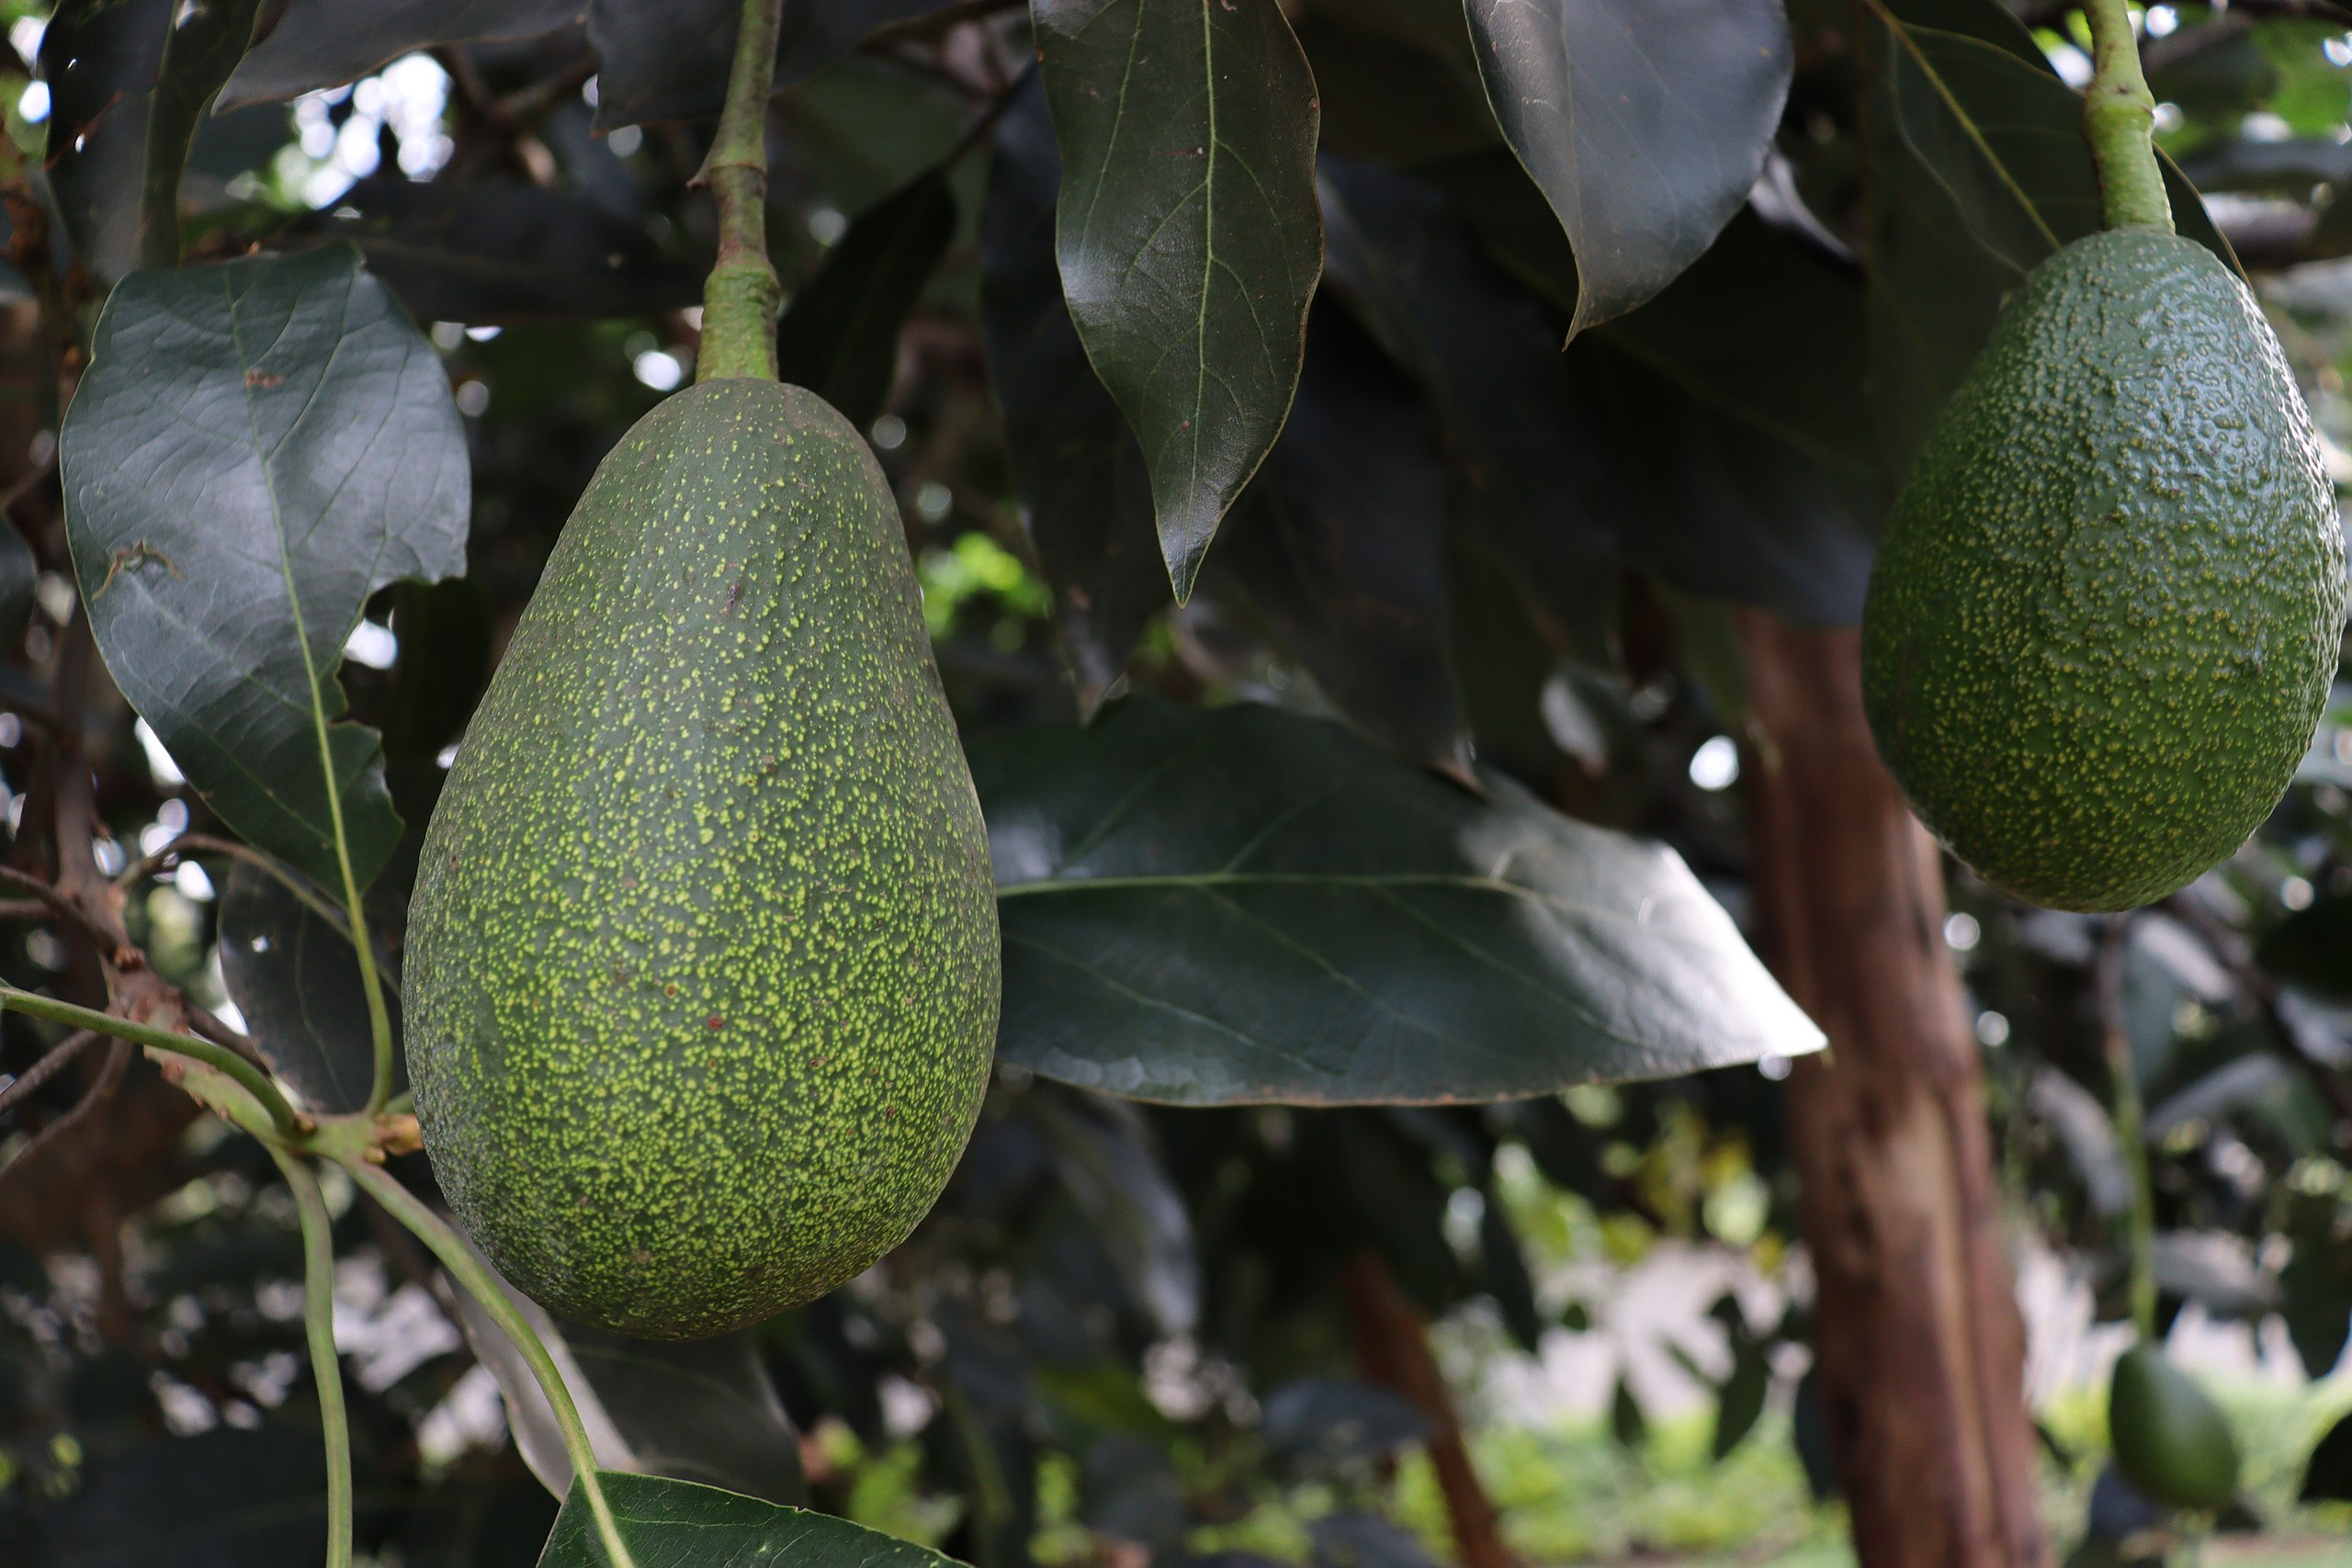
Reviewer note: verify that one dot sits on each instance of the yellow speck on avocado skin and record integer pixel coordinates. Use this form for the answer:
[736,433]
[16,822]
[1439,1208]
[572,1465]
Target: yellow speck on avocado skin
[701,979]
[2109,603]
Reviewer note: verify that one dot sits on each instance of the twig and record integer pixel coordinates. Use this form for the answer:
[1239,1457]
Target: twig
[475,1277]
[53,1062]
[66,907]
[2115,1041]
[2049,16]
[24,909]
[204,843]
[117,1063]
[326,1368]
[227,1063]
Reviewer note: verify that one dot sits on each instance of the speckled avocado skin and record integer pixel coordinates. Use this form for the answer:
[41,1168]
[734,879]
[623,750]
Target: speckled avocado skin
[701,979]
[2107,605]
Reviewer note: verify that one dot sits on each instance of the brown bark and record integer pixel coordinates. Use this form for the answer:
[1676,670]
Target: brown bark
[1918,1342]
[1392,1347]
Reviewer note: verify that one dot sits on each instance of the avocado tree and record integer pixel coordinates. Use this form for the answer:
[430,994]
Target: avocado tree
[1222,556]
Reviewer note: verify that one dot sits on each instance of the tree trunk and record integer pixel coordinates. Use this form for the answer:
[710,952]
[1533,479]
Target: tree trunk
[1919,1346]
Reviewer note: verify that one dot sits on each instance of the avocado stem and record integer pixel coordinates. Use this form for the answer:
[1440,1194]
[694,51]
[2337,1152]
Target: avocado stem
[741,299]
[318,1326]
[2119,120]
[474,1277]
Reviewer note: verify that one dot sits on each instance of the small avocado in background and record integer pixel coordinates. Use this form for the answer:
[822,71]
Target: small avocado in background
[2170,1441]
[2110,601]
[702,980]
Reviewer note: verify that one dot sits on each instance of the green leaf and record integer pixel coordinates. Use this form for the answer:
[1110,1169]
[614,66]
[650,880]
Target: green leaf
[99,57]
[839,337]
[503,251]
[1975,170]
[1487,357]
[1085,497]
[1242,905]
[287,962]
[256,448]
[676,1524]
[1189,238]
[1646,123]
[324,44]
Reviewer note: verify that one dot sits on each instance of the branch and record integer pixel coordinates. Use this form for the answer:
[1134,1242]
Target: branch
[117,1063]
[53,1062]
[204,843]
[227,1063]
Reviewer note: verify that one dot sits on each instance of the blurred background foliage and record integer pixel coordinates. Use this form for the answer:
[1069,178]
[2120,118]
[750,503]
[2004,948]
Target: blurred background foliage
[1133,1333]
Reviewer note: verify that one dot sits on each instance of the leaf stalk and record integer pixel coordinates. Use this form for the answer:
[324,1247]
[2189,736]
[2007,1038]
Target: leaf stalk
[326,1367]
[289,1124]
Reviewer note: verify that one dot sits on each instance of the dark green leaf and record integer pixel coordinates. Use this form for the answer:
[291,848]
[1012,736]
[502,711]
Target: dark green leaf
[324,44]
[2086,1135]
[2313,947]
[668,59]
[287,961]
[1084,493]
[258,447]
[443,662]
[2328,1477]
[1739,1401]
[702,1410]
[1398,79]
[1976,170]
[19,574]
[674,1524]
[1646,123]
[502,251]
[205,43]
[839,337]
[1243,906]
[1487,355]
[1103,1154]
[1341,547]
[227,1498]
[99,57]
[2316,1284]
[1189,238]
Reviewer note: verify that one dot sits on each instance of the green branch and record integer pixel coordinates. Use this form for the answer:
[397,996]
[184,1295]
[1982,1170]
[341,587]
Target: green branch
[2118,120]
[479,1283]
[740,301]
[318,1322]
[252,1079]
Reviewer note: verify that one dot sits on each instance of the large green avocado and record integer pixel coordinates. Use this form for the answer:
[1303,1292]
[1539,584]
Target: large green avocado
[701,964]
[2171,1443]
[2108,604]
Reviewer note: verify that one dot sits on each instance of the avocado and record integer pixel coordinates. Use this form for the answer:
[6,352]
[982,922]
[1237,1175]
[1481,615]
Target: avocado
[2170,1441]
[2108,601]
[701,978]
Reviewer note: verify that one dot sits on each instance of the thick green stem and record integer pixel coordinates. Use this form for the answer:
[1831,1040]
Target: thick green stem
[2130,1136]
[249,1079]
[478,1281]
[2119,120]
[740,301]
[318,1322]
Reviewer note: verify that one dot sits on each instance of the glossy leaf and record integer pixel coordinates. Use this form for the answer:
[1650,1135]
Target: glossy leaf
[661,60]
[674,1524]
[1242,905]
[1343,547]
[324,44]
[839,336]
[99,57]
[1487,357]
[258,447]
[1976,170]
[498,251]
[287,961]
[1644,121]
[1104,1157]
[1188,234]
[1084,494]
[700,1410]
